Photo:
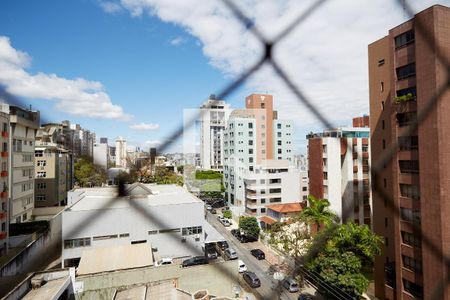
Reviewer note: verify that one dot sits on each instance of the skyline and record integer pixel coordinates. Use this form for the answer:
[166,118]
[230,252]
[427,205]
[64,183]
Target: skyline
[132,58]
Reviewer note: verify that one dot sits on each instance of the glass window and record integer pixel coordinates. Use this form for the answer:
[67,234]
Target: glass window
[404,39]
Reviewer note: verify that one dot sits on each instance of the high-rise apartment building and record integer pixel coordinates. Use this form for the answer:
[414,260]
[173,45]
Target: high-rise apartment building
[251,138]
[339,163]
[214,115]
[101,155]
[121,152]
[24,125]
[405,73]
[4,178]
[53,169]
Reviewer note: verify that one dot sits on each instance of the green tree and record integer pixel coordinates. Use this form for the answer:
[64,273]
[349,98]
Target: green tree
[340,270]
[227,214]
[291,237]
[249,226]
[88,174]
[318,212]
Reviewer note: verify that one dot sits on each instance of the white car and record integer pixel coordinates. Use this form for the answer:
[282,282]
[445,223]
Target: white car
[164,261]
[242,266]
[208,207]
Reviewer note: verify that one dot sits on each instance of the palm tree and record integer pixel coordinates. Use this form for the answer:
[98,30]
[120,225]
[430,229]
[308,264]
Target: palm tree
[318,212]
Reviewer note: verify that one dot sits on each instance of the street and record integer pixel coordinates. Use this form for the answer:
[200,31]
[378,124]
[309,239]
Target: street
[268,289]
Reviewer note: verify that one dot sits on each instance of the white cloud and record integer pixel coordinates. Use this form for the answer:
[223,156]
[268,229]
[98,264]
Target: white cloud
[177,41]
[326,56]
[153,143]
[74,96]
[145,126]
[110,7]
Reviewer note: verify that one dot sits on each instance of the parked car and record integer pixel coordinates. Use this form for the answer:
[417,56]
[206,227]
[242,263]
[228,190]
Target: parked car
[247,238]
[252,280]
[225,222]
[242,266]
[193,261]
[230,254]
[210,251]
[235,232]
[304,296]
[258,253]
[208,207]
[218,204]
[164,261]
[290,284]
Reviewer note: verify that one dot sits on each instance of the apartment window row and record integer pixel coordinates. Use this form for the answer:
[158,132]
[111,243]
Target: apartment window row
[406,118]
[191,230]
[412,264]
[404,39]
[406,71]
[275,200]
[27,158]
[410,191]
[17,145]
[41,163]
[275,191]
[75,243]
[408,143]
[41,174]
[27,173]
[411,239]
[41,198]
[27,186]
[413,288]
[410,215]
[409,166]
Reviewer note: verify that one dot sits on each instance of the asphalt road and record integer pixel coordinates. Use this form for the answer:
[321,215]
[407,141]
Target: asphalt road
[268,289]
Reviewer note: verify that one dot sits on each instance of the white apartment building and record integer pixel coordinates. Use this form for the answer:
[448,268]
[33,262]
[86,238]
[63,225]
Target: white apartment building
[272,182]
[168,217]
[24,125]
[339,162]
[246,138]
[214,115]
[121,152]
[304,185]
[101,153]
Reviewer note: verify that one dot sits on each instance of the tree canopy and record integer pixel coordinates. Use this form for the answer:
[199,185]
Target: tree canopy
[249,226]
[318,212]
[87,174]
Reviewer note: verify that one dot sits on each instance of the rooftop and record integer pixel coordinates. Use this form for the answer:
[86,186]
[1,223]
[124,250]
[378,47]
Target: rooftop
[286,207]
[151,194]
[120,257]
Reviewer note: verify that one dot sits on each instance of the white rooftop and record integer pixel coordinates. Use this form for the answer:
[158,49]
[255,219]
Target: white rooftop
[120,257]
[150,194]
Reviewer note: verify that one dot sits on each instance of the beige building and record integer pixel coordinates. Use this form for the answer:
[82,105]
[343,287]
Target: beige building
[23,126]
[53,174]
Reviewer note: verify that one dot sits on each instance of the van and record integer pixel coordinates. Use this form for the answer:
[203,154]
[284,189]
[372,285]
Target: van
[291,285]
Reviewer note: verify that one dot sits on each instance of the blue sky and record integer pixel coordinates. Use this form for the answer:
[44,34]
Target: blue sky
[112,65]
[132,57]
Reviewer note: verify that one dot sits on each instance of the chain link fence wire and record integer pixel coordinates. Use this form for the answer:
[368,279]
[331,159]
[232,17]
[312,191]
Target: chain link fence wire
[387,157]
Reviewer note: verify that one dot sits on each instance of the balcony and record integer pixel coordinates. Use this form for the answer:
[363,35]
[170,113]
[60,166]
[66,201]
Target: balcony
[5,134]
[3,235]
[4,153]
[4,195]
[355,169]
[2,215]
[355,155]
[3,173]
[365,154]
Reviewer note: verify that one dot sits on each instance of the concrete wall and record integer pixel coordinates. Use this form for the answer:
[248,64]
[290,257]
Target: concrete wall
[219,278]
[38,254]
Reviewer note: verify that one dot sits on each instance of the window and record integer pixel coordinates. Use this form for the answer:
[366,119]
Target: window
[24,217]
[381,62]
[39,153]
[406,143]
[5,147]
[169,230]
[406,71]
[5,127]
[122,235]
[279,134]
[75,243]
[41,174]
[410,191]
[409,215]
[40,198]
[250,125]
[263,210]
[263,200]
[279,151]
[104,237]
[414,265]
[409,166]
[410,90]
[382,86]
[404,39]
[152,232]
[250,142]
[191,230]
[413,288]
[275,200]
[384,144]
[304,189]
[411,239]
[250,151]
[406,118]
[278,126]
[279,143]
[272,191]
[27,158]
